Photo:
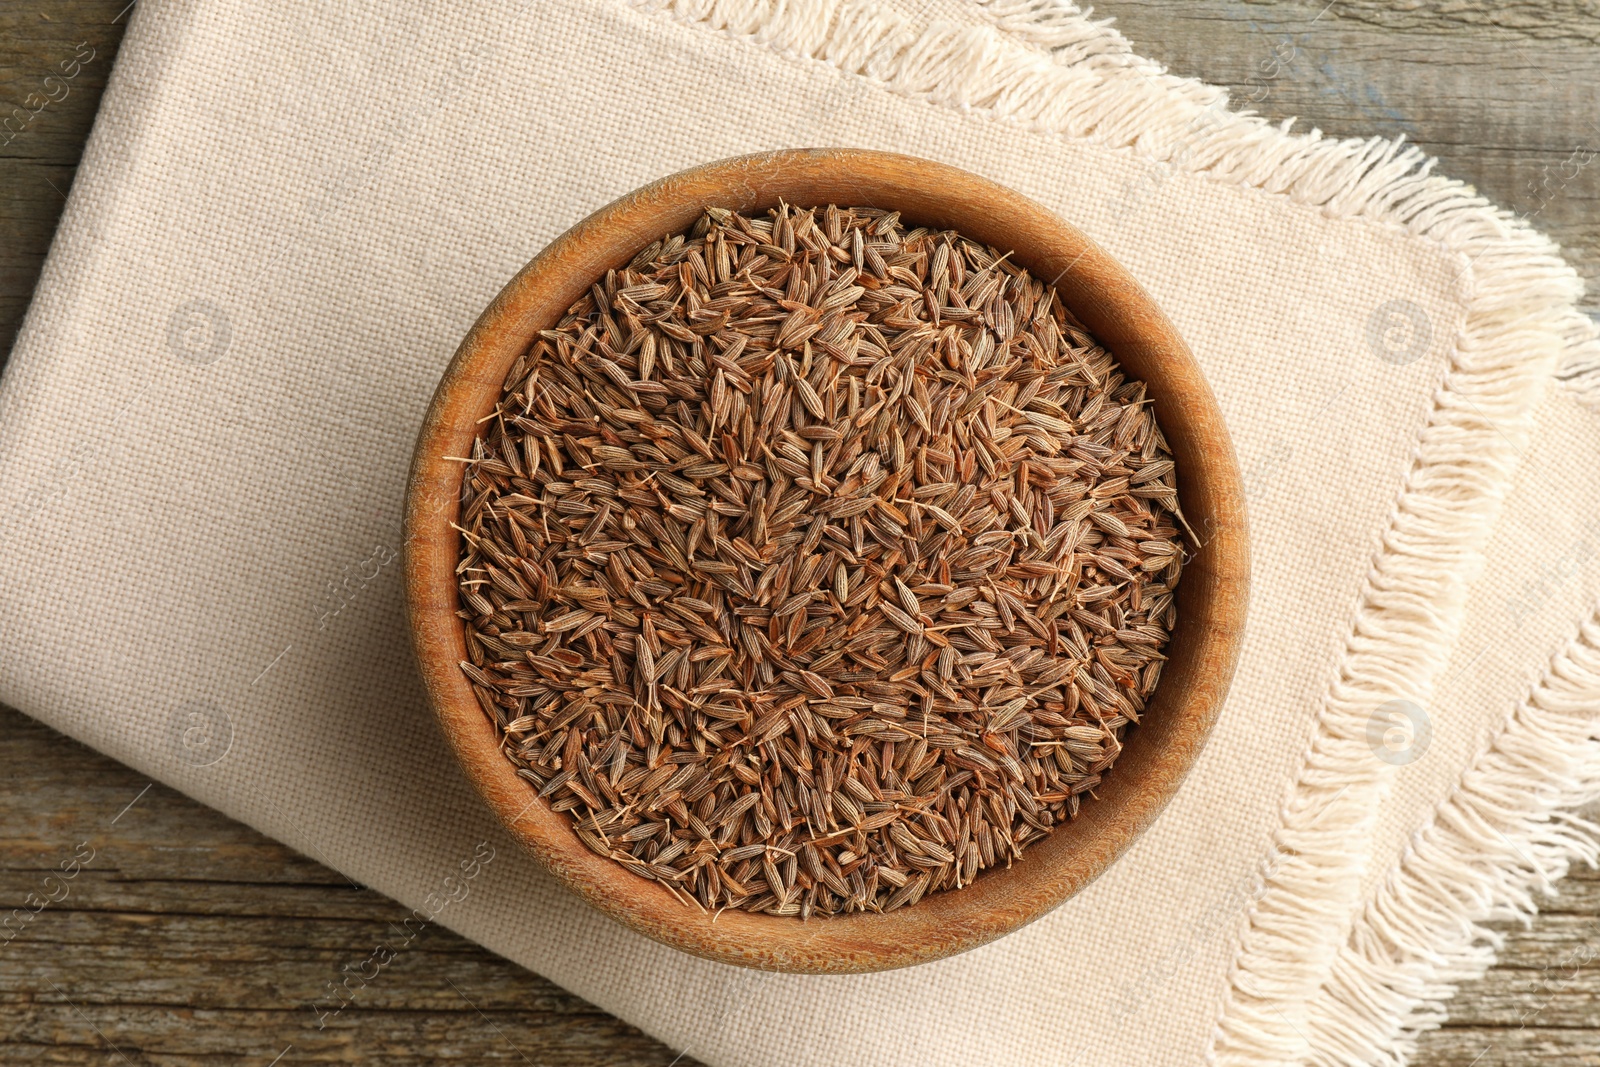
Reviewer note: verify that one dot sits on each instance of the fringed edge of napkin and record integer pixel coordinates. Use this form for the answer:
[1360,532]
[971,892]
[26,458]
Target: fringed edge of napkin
[1044,65]
[1580,374]
[1506,829]
[1520,322]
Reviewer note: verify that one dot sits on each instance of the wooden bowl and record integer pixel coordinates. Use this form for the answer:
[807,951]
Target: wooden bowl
[1211,597]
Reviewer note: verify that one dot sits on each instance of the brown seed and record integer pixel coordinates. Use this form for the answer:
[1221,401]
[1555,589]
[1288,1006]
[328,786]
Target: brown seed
[813,564]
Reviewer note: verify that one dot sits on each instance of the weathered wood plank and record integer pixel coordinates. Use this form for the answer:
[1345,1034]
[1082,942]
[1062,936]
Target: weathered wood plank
[1510,1047]
[1501,93]
[223,948]
[38,156]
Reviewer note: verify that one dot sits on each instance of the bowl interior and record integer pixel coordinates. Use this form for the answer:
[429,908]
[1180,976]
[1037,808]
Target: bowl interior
[1211,596]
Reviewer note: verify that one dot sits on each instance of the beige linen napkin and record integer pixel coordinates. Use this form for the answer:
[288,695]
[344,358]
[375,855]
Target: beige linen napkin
[287,218]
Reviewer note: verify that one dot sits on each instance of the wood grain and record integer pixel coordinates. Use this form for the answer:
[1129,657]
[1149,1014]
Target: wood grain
[37,165]
[1502,93]
[198,941]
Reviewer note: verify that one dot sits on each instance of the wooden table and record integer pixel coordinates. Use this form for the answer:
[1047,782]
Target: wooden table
[190,939]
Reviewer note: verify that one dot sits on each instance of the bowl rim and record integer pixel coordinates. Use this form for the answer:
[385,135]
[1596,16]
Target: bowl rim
[1212,597]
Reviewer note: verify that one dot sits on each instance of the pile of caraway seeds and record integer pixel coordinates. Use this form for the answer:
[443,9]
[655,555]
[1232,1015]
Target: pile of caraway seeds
[813,563]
